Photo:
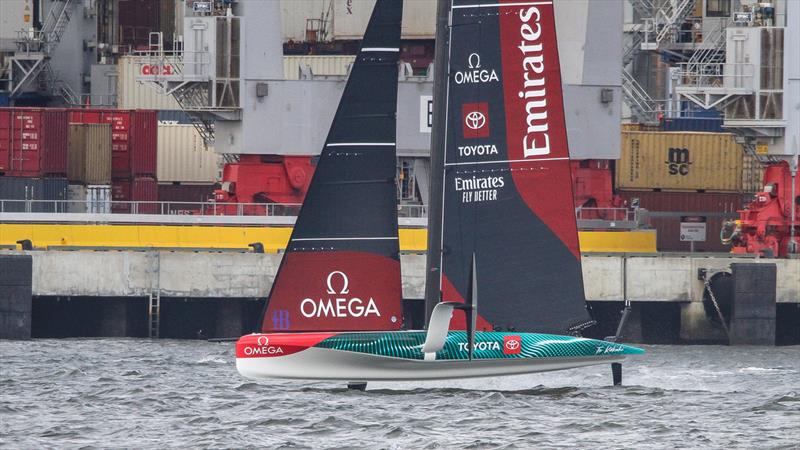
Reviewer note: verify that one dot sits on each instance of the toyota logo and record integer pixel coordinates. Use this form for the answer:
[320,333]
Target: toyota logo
[475,120]
[263,341]
[512,345]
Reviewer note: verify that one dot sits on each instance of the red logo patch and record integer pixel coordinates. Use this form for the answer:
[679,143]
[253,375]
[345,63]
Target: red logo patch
[475,120]
[512,345]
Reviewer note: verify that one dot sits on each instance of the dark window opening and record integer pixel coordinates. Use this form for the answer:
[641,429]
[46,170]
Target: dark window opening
[718,8]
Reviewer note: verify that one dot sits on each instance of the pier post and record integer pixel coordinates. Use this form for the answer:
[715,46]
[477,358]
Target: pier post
[754,295]
[15,296]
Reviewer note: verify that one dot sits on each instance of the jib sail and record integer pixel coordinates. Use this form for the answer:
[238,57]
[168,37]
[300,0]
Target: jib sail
[508,189]
[341,270]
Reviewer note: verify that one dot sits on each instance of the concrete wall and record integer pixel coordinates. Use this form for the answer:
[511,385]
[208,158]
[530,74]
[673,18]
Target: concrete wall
[215,275]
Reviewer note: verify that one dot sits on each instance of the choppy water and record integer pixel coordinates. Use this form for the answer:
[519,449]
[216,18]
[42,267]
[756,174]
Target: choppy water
[156,394]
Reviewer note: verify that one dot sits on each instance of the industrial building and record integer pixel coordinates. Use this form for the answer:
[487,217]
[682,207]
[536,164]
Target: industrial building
[682,119]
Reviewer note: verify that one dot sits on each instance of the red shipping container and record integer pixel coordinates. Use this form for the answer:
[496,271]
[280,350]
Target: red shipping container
[33,142]
[711,205]
[134,139]
[140,189]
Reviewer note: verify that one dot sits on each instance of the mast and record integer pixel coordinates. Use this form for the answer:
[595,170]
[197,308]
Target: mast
[440,76]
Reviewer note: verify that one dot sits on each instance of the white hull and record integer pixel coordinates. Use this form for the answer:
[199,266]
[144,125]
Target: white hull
[327,364]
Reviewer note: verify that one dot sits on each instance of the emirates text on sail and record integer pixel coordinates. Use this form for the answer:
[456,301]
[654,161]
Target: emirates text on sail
[536,142]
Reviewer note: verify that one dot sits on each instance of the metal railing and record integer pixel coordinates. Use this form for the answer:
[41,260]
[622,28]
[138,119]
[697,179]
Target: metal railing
[101,211]
[173,208]
[609,214]
[716,75]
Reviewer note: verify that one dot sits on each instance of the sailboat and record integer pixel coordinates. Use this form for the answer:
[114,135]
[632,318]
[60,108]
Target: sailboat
[511,288]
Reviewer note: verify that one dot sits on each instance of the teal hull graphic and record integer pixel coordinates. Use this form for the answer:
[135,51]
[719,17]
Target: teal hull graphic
[488,345]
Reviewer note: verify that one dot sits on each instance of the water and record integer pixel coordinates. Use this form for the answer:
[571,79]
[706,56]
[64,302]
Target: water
[156,394]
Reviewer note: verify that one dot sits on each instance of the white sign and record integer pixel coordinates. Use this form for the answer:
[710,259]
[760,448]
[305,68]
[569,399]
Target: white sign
[693,229]
[425,113]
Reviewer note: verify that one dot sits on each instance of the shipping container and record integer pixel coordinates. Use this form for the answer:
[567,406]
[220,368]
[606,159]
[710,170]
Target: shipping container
[134,139]
[76,199]
[47,194]
[90,153]
[141,189]
[132,94]
[709,125]
[33,142]
[184,198]
[330,65]
[93,199]
[705,162]
[184,157]
[295,15]
[350,18]
[715,207]
[173,117]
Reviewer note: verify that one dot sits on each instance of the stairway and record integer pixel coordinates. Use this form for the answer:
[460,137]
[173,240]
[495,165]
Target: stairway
[191,99]
[709,58]
[663,22]
[645,110]
[31,62]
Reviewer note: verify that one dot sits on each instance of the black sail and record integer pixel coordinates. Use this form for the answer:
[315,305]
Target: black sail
[508,189]
[341,270]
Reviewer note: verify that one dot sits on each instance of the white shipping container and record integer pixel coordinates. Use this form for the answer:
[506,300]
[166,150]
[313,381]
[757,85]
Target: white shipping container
[98,199]
[350,18]
[183,157]
[15,15]
[134,95]
[295,15]
[92,199]
[76,198]
[319,65]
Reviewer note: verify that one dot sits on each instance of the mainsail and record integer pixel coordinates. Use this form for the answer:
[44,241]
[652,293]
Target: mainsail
[341,270]
[508,189]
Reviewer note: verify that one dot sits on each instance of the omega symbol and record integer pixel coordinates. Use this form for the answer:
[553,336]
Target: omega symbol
[345,283]
[474,61]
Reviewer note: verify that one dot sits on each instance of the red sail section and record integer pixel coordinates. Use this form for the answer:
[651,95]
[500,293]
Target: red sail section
[534,107]
[335,291]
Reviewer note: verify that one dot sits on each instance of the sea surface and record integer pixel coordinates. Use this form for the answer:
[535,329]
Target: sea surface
[132,393]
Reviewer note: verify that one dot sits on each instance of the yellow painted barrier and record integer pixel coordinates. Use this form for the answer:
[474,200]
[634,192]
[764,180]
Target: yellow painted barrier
[273,238]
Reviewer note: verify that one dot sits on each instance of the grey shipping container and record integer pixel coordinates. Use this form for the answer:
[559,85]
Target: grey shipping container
[89,153]
[22,194]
